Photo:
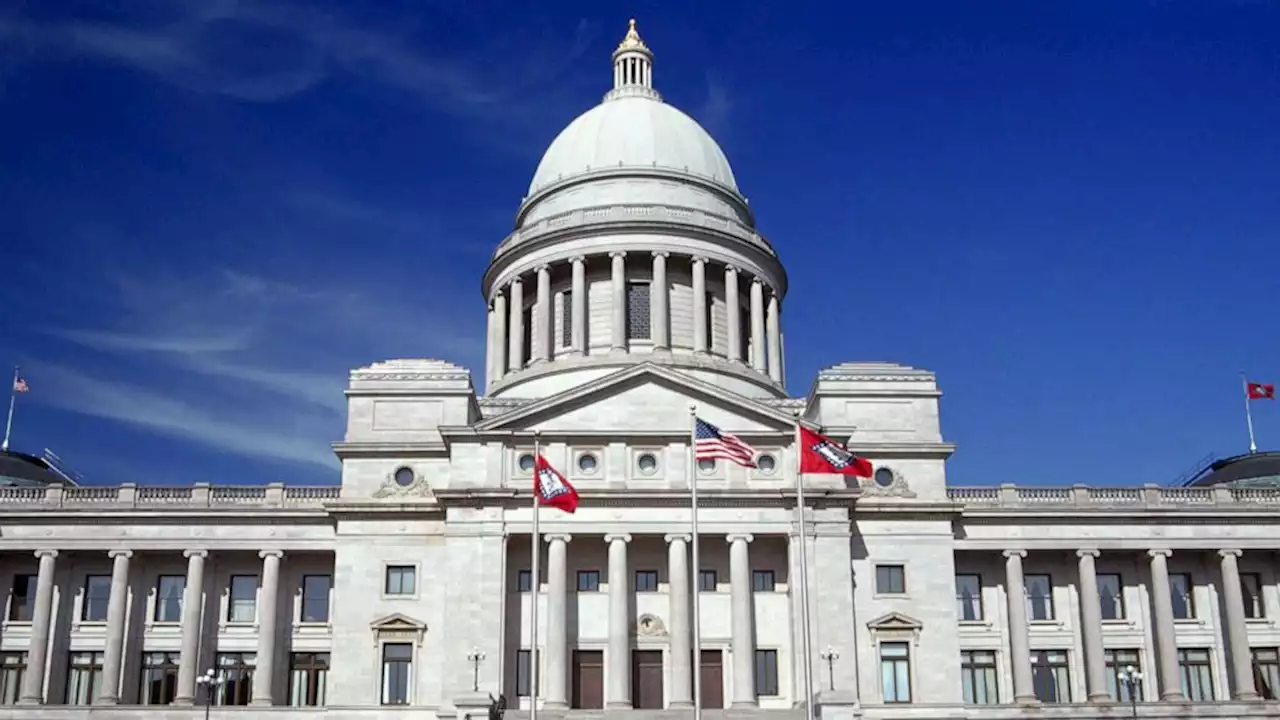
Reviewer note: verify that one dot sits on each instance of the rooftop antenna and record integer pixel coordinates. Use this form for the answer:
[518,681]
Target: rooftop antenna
[57,465]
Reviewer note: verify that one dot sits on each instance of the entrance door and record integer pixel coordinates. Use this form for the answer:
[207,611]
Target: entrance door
[646,679]
[712,676]
[588,679]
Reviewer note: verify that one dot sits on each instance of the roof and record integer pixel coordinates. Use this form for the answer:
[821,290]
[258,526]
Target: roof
[17,468]
[1250,470]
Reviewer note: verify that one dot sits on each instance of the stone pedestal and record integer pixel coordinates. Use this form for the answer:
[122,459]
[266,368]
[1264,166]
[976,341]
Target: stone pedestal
[837,705]
[473,706]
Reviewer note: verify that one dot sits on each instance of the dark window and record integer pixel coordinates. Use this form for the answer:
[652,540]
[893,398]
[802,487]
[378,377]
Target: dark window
[1184,599]
[84,677]
[401,580]
[969,597]
[13,665]
[315,598]
[523,676]
[308,677]
[566,319]
[235,670]
[762,581]
[895,672]
[527,350]
[397,671]
[711,334]
[707,581]
[159,678]
[524,581]
[1039,597]
[978,675]
[744,331]
[1266,672]
[766,672]
[1251,591]
[23,598]
[646,581]
[588,581]
[1051,676]
[169,589]
[1111,596]
[1197,677]
[891,580]
[1117,662]
[242,599]
[97,594]
[638,320]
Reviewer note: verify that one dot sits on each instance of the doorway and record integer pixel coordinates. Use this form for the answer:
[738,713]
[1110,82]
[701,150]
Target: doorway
[588,680]
[646,679]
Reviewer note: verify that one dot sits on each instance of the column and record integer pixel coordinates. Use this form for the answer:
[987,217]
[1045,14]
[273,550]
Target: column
[41,620]
[618,658]
[578,301]
[546,316]
[1095,668]
[742,600]
[268,602]
[700,305]
[490,335]
[117,603]
[732,313]
[499,335]
[1019,639]
[515,332]
[758,360]
[618,284]
[659,293]
[774,323]
[1166,641]
[556,649]
[679,621]
[1237,631]
[192,605]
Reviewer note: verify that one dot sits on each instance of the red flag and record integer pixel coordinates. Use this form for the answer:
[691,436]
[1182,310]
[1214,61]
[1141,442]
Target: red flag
[1262,391]
[551,487]
[819,454]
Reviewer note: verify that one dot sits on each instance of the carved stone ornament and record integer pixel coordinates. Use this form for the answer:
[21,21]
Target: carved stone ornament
[391,489]
[650,625]
[885,481]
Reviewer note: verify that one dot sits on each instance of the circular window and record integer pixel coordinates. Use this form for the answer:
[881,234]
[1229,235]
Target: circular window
[707,465]
[647,463]
[766,464]
[587,463]
[526,462]
[404,477]
[884,477]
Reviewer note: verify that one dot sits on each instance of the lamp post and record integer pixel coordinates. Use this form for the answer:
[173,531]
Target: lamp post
[476,656]
[830,654]
[209,682]
[1131,678]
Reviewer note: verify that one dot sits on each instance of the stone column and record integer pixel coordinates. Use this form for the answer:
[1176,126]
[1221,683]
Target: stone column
[659,293]
[774,322]
[732,313]
[546,316]
[192,607]
[500,336]
[1019,637]
[1166,640]
[742,635]
[555,652]
[1237,630]
[758,358]
[618,282]
[113,652]
[515,332]
[490,340]
[618,657]
[1095,668]
[700,328]
[679,616]
[268,601]
[578,306]
[41,626]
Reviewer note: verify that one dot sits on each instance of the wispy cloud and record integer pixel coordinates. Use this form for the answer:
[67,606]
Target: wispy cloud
[716,106]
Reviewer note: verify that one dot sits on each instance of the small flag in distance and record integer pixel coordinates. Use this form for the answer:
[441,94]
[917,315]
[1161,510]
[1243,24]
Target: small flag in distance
[1261,391]
[20,384]
[712,443]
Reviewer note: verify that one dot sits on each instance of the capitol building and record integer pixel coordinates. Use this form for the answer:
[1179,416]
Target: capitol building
[635,285]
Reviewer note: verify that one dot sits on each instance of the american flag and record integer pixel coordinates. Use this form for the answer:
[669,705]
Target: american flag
[19,385]
[712,443]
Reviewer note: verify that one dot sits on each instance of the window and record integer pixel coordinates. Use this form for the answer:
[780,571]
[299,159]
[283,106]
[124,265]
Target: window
[969,597]
[401,580]
[1111,596]
[762,580]
[1039,597]
[646,580]
[638,321]
[169,589]
[523,674]
[308,676]
[707,581]
[588,581]
[891,580]
[242,599]
[84,677]
[526,348]
[13,665]
[1251,591]
[97,594]
[1184,601]
[1266,672]
[524,581]
[235,670]
[1118,661]
[708,305]
[895,672]
[1050,676]
[22,599]
[766,672]
[397,669]
[1197,680]
[159,678]
[315,598]
[566,319]
[978,675]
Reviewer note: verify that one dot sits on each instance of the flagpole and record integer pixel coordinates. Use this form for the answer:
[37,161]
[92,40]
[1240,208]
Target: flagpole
[805,620]
[13,395]
[536,584]
[1244,381]
[697,562]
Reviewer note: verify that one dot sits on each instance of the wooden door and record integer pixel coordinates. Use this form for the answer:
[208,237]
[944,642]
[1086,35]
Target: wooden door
[646,679]
[712,676]
[588,680]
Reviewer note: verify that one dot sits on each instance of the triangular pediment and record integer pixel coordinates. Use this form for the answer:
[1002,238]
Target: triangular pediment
[397,622]
[642,398]
[895,621]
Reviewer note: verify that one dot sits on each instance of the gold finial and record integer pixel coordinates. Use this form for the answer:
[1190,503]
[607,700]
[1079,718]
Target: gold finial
[632,39]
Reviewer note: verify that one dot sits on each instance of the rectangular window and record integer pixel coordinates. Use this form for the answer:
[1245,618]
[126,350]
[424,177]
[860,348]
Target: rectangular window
[969,597]
[397,672]
[235,675]
[762,580]
[1197,679]
[97,593]
[1051,676]
[13,665]
[316,590]
[638,320]
[711,332]
[401,580]
[159,678]
[1039,597]
[84,677]
[22,599]
[1111,596]
[169,589]
[978,675]
[308,677]
[766,672]
[1251,590]
[1184,600]
[1117,662]
[891,580]
[242,599]
[566,319]
[1266,672]
[523,674]
[707,581]
[588,581]
[895,672]
[524,581]
[646,581]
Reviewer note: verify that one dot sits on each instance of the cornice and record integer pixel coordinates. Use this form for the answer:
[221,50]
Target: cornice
[713,185]
[644,497]
[346,450]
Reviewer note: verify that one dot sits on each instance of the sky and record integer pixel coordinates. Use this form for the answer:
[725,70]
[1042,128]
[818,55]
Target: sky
[1069,211]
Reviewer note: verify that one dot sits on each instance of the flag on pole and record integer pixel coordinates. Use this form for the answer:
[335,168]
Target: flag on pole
[821,454]
[20,384]
[1261,391]
[551,488]
[712,443]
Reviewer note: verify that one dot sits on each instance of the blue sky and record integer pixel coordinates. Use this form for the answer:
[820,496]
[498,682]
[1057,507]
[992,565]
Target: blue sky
[211,211]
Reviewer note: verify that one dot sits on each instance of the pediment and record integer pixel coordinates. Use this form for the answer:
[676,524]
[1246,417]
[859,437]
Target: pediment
[397,622]
[895,621]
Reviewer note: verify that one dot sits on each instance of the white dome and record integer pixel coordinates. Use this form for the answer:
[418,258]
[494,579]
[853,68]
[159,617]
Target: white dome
[633,131]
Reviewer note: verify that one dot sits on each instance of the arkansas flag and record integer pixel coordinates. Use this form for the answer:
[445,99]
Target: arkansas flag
[551,487]
[820,454]
[1262,391]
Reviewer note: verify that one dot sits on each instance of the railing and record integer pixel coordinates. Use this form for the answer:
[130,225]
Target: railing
[129,495]
[1147,497]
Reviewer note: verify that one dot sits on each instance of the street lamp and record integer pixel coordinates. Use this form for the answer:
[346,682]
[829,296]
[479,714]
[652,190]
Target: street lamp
[830,654]
[1131,678]
[476,656]
[209,682]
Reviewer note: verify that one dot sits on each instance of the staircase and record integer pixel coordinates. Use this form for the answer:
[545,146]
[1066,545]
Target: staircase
[686,714]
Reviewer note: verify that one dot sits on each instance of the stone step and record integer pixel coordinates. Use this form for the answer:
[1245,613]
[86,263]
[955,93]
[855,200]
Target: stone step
[717,714]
